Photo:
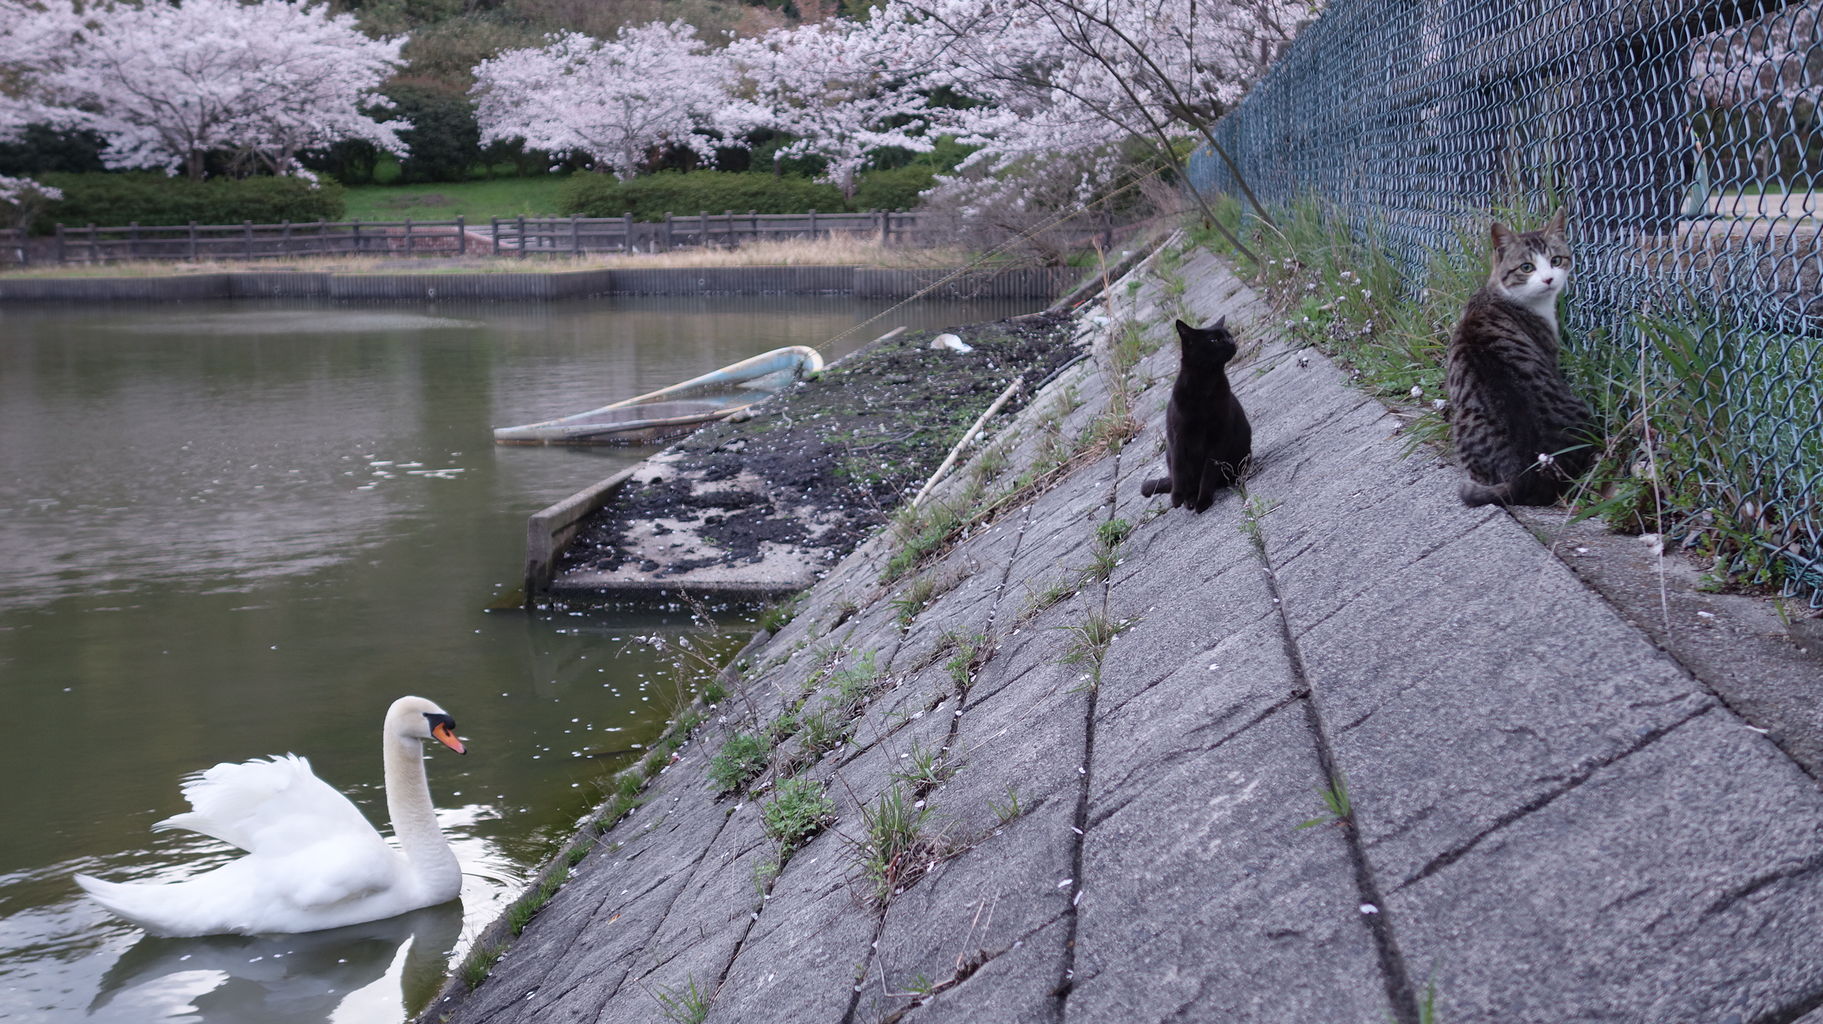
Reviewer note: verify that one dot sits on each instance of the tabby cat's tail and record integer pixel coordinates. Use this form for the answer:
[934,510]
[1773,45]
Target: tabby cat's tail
[1156,485]
[1474,494]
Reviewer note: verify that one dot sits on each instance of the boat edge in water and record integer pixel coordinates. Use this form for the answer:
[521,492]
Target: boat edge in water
[622,423]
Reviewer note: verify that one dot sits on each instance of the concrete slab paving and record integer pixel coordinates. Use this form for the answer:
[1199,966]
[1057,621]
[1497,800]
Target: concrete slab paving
[1546,817]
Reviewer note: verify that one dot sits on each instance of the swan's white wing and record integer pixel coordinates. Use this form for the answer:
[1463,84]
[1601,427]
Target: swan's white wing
[271,806]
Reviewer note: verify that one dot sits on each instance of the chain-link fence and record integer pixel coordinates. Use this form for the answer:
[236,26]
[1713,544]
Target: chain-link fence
[1683,137]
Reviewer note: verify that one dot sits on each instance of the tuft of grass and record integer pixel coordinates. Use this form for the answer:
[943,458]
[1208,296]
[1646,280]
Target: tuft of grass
[1008,809]
[923,768]
[894,852]
[798,810]
[822,733]
[971,652]
[741,760]
[1336,805]
[480,963]
[527,906]
[780,615]
[686,1005]
[1089,641]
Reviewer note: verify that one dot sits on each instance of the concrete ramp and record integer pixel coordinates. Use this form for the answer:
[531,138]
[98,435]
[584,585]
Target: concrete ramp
[1110,727]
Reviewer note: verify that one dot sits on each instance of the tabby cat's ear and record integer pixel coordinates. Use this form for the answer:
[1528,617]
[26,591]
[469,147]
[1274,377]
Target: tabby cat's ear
[1557,222]
[1503,236]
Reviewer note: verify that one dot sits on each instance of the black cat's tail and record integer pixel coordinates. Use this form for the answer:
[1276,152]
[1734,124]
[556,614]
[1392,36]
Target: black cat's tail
[1156,485]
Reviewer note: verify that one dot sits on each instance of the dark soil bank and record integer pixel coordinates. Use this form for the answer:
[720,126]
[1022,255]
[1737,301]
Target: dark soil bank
[851,444]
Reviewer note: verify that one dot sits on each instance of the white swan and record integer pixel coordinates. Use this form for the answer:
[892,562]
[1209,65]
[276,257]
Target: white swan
[312,860]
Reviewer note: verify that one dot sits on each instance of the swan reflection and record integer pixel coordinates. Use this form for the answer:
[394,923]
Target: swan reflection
[281,979]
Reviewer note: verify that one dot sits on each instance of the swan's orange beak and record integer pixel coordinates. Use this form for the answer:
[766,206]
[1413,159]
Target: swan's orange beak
[446,735]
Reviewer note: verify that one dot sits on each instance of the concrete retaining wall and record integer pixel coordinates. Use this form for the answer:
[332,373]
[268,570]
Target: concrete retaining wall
[866,282]
[1546,818]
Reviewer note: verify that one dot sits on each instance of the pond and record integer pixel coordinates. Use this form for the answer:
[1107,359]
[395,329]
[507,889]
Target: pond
[230,531]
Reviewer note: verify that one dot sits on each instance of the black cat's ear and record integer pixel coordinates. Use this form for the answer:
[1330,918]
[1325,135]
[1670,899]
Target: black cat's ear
[1185,332]
[1220,325]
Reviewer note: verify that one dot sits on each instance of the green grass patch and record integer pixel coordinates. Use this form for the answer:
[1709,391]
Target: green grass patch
[798,810]
[475,201]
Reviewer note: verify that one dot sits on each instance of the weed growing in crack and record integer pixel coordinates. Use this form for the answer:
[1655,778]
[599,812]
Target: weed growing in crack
[913,599]
[1008,809]
[971,651]
[1256,509]
[780,615]
[923,768]
[683,1005]
[1336,806]
[894,851]
[765,872]
[527,906]
[1089,641]
[742,759]
[798,810]
[480,963]
[852,686]
[1058,591]
[822,733]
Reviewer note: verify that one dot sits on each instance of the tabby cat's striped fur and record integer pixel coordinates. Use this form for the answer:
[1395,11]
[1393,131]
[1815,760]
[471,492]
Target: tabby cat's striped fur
[1521,432]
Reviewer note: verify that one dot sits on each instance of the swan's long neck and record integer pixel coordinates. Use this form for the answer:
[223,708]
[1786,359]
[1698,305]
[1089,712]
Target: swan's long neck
[414,819]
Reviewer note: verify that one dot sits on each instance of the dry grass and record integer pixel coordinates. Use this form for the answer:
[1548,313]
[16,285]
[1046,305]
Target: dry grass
[835,250]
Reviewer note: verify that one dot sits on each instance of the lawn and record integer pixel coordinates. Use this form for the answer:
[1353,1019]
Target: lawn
[477,201]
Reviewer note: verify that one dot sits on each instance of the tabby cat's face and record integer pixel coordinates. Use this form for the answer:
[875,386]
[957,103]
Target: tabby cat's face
[1531,268]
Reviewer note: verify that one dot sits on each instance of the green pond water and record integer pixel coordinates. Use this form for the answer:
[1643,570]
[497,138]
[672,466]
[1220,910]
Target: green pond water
[229,531]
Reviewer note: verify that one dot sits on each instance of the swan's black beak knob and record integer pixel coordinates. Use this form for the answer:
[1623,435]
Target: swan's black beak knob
[443,728]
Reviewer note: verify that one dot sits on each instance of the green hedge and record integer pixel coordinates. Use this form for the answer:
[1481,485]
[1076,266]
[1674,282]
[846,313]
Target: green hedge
[144,198]
[649,198]
[895,189]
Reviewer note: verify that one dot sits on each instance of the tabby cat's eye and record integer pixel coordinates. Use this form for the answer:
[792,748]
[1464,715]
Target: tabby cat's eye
[1560,261]
[1526,268]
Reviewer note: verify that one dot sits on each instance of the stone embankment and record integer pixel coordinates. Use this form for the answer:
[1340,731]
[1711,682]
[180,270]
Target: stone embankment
[1336,750]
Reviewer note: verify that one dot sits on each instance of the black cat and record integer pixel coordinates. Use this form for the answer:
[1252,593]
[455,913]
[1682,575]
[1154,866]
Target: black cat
[1207,439]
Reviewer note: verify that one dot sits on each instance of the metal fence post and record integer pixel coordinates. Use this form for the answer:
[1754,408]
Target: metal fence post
[626,238]
[133,240]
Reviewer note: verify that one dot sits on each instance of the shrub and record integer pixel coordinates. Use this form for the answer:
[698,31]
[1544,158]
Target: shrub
[649,198]
[146,198]
[896,189]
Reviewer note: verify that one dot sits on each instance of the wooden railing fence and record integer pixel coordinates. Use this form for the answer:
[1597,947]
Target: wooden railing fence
[512,236]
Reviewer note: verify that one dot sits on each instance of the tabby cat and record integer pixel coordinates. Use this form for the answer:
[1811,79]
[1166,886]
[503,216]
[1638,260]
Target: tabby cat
[1521,432]
[1207,438]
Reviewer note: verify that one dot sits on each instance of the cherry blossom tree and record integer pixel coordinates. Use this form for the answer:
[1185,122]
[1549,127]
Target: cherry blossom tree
[167,84]
[21,199]
[832,87]
[612,100]
[35,41]
[1066,85]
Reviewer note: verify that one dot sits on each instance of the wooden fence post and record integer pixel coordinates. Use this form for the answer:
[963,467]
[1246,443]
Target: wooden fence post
[753,224]
[355,235]
[94,250]
[813,225]
[322,235]
[247,234]
[494,230]
[461,237]
[522,236]
[62,257]
[285,244]
[667,230]
[886,231]
[192,241]
[408,238]
[133,240]
[575,237]
[626,241]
